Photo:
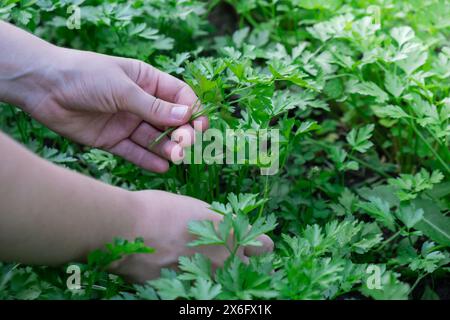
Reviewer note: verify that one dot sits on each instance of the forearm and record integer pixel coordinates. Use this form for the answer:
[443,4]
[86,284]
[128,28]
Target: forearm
[50,215]
[26,64]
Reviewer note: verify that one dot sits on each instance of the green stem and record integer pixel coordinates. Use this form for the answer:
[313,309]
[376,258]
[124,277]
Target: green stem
[385,242]
[266,190]
[369,166]
[417,282]
[193,117]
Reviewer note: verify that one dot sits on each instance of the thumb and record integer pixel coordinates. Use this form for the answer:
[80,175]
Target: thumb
[155,111]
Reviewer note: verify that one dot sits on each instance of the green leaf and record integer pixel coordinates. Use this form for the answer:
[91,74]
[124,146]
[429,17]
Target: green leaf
[402,35]
[368,89]
[414,61]
[57,156]
[339,156]
[409,186]
[169,288]
[225,227]
[31,293]
[244,203]
[367,243]
[379,209]
[429,294]
[359,138]
[335,27]
[260,227]
[103,160]
[426,112]
[307,126]
[239,36]
[204,289]
[116,251]
[320,4]
[206,233]
[393,84]
[409,215]
[390,111]
[164,43]
[145,292]
[430,259]
[195,267]
[385,192]
[391,287]
[240,281]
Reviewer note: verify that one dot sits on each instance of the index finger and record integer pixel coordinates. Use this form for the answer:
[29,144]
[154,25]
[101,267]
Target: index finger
[174,90]
[162,85]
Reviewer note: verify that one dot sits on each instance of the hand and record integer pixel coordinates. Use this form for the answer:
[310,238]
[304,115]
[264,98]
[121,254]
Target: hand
[116,104]
[52,215]
[163,221]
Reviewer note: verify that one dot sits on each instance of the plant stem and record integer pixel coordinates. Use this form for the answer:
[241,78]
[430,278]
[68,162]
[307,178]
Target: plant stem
[438,157]
[266,190]
[416,282]
[168,131]
[385,242]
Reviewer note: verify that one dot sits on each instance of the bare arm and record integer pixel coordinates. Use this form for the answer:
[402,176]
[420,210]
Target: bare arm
[51,215]
[116,104]
[24,64]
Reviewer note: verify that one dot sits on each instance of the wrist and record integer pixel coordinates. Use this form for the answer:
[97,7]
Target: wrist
[35,80]
[120,219]
[110,213]
[140,213]
[144,224]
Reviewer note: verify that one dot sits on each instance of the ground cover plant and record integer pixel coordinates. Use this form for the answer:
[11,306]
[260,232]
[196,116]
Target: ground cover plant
[360,92]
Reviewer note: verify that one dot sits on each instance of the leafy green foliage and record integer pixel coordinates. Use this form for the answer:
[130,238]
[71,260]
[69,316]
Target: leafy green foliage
[243,233]
[408,186]
[359,139]
[116,251]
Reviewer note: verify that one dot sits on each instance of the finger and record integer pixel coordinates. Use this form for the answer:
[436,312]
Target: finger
[201,123]
[154,110]
[143,158]
[241,254]
[184,135]
[185,94]
[162,85]
[266,247]
[158,83]
[145,134]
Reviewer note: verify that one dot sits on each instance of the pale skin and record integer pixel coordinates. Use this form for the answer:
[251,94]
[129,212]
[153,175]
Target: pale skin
[50,215]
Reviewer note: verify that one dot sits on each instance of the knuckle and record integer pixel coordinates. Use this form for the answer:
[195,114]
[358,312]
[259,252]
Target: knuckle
[139,157]
[156,107]
[138,70]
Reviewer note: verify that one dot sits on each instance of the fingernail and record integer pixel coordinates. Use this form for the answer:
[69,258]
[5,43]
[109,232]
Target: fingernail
[179,113]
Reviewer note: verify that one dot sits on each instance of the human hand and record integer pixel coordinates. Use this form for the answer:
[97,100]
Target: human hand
[116,104]
[54,216]
[162,219]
